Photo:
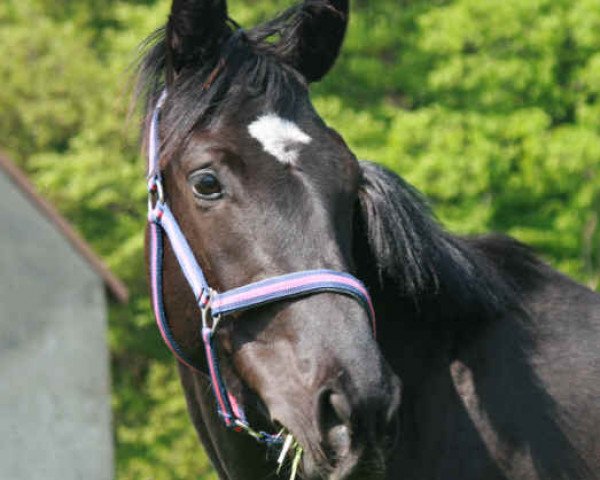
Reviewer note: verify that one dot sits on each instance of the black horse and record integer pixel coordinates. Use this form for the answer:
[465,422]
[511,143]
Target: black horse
[498,354]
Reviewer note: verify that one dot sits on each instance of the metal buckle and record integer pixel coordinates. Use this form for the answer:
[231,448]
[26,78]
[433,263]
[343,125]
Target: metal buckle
[209,320]
[156,194]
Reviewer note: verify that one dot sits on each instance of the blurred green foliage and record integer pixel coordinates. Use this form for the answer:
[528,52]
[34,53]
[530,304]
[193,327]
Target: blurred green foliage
[490,108]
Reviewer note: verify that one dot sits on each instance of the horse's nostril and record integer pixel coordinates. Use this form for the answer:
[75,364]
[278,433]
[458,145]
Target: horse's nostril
[340,406]
[334,409]
[334,421]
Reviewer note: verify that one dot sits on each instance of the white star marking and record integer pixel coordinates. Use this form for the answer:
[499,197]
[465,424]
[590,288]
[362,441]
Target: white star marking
[280,137]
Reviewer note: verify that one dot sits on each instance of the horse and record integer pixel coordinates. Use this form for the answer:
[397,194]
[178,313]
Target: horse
[485,363]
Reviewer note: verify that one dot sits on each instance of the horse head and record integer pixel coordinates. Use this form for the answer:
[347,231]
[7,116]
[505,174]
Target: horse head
[261,187]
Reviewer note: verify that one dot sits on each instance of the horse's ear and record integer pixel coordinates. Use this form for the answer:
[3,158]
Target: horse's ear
[195,30]
[318,37]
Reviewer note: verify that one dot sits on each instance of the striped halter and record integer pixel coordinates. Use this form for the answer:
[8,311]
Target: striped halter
[213,305]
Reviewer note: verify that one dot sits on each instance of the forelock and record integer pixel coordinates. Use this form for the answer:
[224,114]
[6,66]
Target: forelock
[246,68]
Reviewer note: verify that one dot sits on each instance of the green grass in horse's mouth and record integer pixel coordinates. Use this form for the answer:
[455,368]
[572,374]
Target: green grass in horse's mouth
[291,449]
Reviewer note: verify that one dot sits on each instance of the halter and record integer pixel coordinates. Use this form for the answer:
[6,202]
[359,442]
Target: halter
[214,305]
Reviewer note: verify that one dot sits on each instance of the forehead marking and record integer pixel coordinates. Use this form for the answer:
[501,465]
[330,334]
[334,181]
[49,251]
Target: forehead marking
[280,137]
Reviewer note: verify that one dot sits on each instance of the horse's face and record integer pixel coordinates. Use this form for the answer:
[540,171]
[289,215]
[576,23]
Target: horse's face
[263,189]
[261,196]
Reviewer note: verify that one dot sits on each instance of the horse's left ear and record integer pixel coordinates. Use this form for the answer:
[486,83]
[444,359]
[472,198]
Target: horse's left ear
[195,30]
[317,38]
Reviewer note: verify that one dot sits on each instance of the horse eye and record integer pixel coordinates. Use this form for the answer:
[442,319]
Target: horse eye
[206,186]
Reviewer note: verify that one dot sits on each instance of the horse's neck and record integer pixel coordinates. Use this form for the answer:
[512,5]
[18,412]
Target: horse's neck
[475,285]
[420,338]
[425,344]
[479,382]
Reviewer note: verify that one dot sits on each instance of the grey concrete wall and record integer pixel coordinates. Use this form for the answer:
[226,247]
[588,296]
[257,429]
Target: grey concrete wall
[55,419]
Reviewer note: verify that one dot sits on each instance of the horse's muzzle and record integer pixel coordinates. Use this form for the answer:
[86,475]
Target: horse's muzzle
[355,437]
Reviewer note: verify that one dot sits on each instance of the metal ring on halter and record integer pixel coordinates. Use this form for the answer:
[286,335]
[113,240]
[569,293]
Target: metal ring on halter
[207,313]
[214,320]
[155,191]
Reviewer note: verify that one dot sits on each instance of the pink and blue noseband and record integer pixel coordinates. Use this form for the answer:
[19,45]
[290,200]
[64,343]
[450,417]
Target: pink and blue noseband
[214,305]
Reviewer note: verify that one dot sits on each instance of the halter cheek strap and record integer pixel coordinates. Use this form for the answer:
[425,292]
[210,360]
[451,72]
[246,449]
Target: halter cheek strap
[214,305]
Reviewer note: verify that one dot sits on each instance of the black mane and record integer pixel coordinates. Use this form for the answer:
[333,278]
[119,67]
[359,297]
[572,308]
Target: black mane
[248,65]
[407,252]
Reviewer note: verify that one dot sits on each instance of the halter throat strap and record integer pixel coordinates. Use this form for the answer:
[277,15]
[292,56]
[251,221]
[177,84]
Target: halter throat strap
[214,305]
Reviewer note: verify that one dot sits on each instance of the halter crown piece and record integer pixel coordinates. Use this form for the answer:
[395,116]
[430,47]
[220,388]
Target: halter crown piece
[213,305]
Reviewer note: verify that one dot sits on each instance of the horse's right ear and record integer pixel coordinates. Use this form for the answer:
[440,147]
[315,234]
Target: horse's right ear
[195,30]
